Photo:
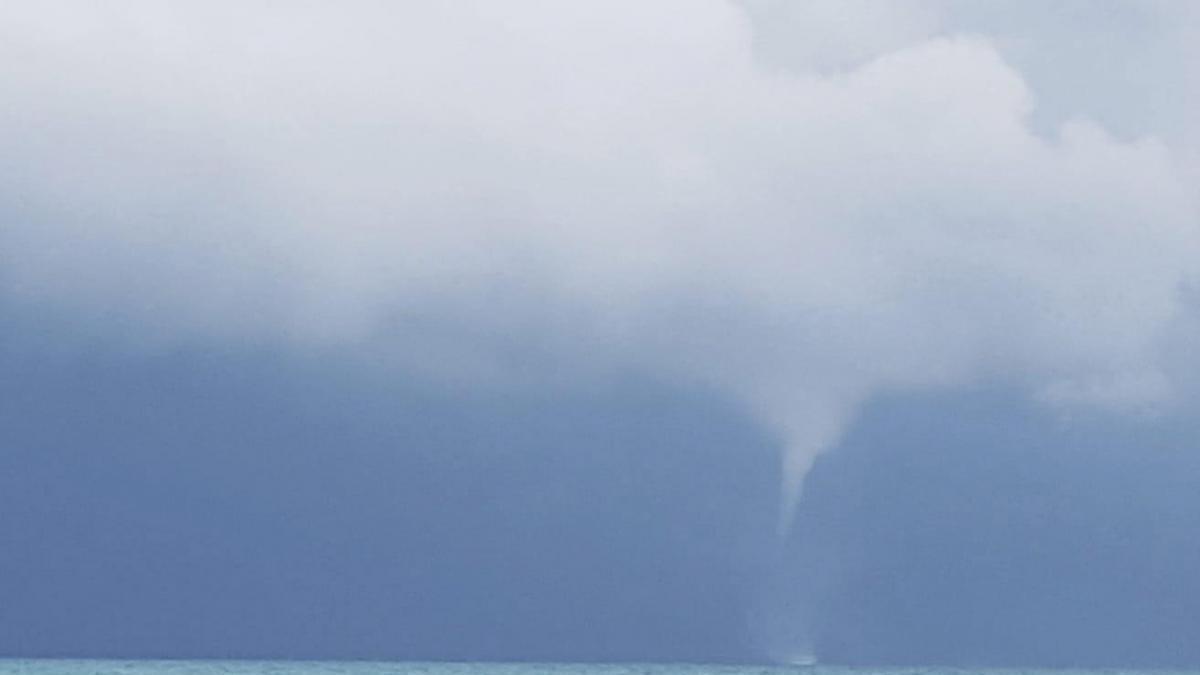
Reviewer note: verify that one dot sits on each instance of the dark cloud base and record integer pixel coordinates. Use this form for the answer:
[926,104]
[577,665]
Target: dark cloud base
[195,505]
[241,505]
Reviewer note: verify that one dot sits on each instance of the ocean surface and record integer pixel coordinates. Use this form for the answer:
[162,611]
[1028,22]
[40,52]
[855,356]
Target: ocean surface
[115,667]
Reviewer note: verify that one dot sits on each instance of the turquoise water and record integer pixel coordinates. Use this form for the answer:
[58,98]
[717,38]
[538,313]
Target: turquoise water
[89,667]
[85,667]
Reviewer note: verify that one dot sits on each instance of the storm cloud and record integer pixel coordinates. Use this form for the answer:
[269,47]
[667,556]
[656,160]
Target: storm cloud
[539,192]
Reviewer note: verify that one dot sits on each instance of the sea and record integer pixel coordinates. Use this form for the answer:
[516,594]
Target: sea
[116,667]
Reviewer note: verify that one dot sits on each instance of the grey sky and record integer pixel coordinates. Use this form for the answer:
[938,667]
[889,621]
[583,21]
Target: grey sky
[789,210]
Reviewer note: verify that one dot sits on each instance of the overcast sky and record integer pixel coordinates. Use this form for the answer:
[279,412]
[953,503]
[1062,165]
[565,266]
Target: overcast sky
[683,329]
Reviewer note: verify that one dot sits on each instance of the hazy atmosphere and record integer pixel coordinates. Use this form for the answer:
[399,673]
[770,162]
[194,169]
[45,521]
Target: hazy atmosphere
[668,330]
